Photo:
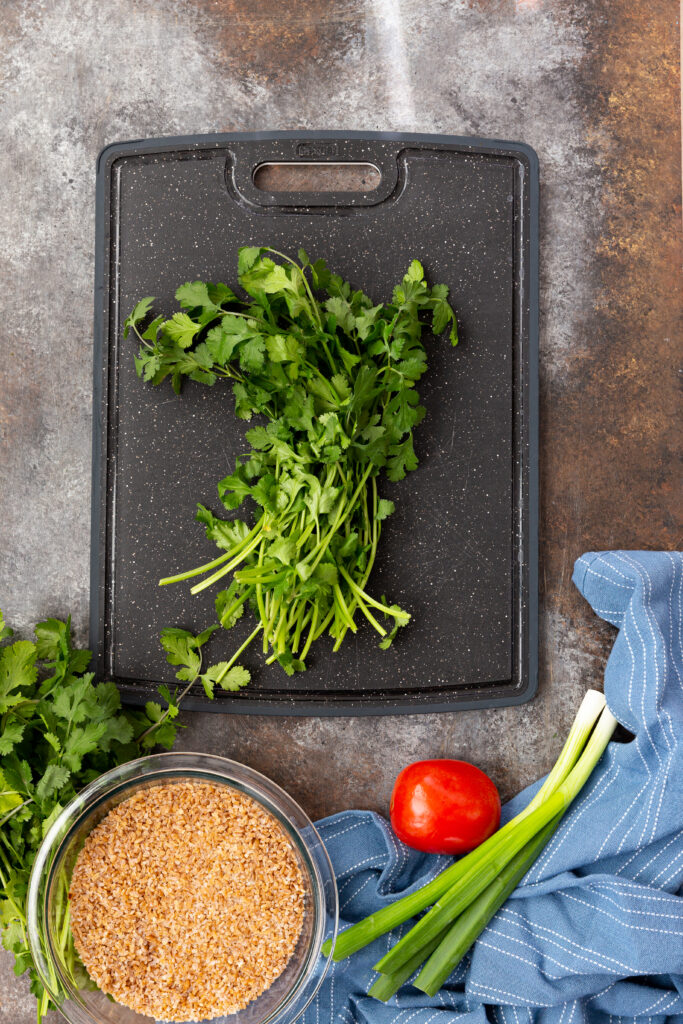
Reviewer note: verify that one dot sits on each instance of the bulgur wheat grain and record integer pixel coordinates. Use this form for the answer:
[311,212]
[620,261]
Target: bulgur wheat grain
[186,901]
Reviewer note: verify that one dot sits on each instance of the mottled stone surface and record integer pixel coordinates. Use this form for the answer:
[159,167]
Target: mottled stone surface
[591,84]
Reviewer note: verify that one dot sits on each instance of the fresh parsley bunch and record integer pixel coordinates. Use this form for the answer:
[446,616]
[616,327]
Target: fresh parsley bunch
[59,730]
[333,377]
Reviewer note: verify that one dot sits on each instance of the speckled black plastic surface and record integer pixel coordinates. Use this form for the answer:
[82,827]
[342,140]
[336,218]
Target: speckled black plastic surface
[461,550]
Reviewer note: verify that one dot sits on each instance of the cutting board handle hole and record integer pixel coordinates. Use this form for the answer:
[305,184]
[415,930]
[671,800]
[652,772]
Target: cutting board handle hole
[317,177]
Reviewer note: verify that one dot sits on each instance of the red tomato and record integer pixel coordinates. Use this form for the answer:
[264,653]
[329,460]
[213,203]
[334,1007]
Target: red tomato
[444,806]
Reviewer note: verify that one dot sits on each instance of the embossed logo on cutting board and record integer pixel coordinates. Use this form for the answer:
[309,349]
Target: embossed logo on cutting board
[317,150]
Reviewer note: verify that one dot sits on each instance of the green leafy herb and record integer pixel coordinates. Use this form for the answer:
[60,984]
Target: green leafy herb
[332,379]
[59,730]
[182,648]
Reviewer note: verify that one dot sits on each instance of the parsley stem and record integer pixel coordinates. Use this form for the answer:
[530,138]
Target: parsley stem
[345,614]
[343,508]
[325,623]
[226,568]
[240,650]
[369,616]
[311,634]
[360,594]
[376,530]
[227,615]
[140,338]
[340,636]
[279,643]
[8,867]
[303,619]
[63,907]
[8,844]
[304,535]
[155,725]
[366,517]
[294,614]
[247,316]
[43,1006]
[230,374]
[217,561]
[244,576]
[195,572]
[259,602]
[333,365]
[268,623]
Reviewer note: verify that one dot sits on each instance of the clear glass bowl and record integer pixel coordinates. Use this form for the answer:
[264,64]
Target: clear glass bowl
[75,996]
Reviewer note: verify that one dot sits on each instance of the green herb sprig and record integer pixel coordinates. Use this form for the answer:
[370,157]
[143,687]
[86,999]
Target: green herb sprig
[60,730]
[334,378]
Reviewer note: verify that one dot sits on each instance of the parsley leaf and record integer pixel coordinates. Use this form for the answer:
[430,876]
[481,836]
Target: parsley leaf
[193,294]
[17,671]
[384,508]
[402,459]
[53,779]
[5,630]
[11,735]
[139,313]
[181,328]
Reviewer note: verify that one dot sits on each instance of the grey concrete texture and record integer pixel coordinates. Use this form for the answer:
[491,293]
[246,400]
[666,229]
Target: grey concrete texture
[591,85]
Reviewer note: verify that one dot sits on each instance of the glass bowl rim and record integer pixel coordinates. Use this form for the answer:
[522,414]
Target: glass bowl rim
[175,763]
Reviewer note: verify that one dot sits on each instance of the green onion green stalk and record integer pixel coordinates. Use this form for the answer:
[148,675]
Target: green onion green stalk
[471,923]
[466,895]
[387,985]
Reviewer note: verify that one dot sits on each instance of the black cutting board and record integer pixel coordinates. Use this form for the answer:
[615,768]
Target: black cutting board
[460,552]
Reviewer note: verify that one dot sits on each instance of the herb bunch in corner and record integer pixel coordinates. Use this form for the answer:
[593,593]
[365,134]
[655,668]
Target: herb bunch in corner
[332,378]
[60,730]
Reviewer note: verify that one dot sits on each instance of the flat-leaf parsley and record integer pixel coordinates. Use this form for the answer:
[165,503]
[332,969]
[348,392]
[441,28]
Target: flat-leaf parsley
[59,730]
[333,378]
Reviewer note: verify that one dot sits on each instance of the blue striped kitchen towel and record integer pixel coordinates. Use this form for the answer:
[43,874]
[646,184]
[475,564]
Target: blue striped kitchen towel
[595,932]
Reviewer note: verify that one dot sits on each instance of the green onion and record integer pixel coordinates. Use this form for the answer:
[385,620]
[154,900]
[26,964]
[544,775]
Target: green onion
[469,926]
[587,715]
[491,862]
[459,896]
[389,917]
[388,985]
